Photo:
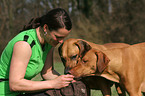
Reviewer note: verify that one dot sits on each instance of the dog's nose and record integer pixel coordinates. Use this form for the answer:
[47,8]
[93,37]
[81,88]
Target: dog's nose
[66,71]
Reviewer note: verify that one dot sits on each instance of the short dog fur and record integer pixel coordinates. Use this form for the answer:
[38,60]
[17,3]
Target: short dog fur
[125,66]
[70,52]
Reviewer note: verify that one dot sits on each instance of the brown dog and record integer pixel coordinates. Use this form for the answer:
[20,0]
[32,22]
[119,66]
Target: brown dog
[70,52]
[121,65]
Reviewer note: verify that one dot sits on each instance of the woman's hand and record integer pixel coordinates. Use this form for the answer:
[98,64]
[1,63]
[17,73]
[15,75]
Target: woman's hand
[62,81]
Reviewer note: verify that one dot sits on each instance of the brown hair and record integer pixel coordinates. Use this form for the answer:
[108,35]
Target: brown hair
[55,19]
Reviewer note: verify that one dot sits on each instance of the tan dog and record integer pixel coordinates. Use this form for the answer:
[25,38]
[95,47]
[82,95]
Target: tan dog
[72,49]
[122,65]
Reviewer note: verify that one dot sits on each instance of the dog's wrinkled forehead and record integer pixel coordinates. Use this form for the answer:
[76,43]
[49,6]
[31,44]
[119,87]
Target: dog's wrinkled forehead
[73,47]
[74,50]
[90,55]
[68,48]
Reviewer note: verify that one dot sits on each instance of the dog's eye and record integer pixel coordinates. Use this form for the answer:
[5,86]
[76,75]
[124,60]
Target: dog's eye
[73,57]
[84,61]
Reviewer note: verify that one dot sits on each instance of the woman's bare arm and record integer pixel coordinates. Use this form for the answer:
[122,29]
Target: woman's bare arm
[48,72]
[20,58]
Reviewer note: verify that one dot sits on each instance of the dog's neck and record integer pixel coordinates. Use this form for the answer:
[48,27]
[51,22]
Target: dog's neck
[112,71]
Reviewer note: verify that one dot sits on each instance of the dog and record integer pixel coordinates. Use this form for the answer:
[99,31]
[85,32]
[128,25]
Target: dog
[70,52]
[121,65]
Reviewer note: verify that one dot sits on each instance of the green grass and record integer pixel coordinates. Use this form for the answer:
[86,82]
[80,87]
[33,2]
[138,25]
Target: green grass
[60,68]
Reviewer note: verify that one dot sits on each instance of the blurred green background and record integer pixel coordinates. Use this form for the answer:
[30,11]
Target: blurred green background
[98,21]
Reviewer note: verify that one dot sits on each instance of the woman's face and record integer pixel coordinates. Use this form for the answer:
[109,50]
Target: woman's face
[55,37]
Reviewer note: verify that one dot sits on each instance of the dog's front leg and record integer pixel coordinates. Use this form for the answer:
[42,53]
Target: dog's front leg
[132,88]
[106,91]
[119,90]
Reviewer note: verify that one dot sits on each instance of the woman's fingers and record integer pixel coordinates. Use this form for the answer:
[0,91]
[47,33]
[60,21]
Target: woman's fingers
[68,77]
[63,81]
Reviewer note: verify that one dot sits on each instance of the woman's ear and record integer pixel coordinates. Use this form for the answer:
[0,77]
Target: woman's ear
[45,28]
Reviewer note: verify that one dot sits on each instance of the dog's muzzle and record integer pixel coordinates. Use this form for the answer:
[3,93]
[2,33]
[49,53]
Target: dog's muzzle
[66,71]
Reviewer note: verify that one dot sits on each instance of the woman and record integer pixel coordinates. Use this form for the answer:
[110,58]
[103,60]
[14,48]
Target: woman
[31,52]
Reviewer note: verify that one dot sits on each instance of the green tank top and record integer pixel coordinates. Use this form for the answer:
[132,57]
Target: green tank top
[35,64]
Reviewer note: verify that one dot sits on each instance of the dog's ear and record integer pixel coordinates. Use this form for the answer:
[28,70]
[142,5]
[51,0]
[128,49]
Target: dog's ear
[83,47]
[102,61]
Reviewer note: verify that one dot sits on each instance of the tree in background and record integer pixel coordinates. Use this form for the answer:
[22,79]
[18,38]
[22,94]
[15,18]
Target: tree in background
[98,21]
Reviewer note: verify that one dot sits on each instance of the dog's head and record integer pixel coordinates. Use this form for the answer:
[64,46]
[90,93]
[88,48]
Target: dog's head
[94,61]
[71,51]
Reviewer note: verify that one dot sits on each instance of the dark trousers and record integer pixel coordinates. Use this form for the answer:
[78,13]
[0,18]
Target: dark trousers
[34,94]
